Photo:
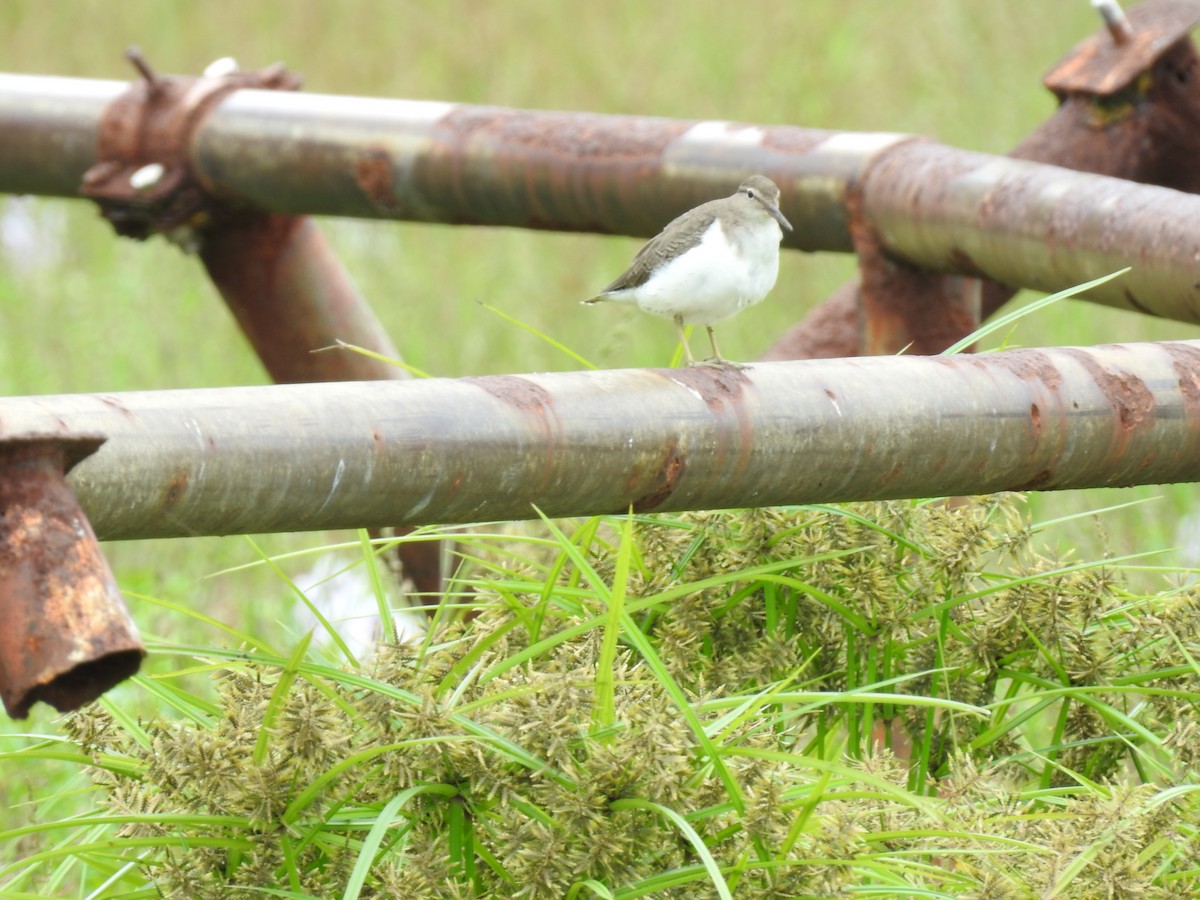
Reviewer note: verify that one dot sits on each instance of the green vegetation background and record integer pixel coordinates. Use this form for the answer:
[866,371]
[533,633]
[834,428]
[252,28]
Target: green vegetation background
[96,313]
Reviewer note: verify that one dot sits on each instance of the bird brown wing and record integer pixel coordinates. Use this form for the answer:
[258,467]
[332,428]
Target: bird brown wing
[680,236]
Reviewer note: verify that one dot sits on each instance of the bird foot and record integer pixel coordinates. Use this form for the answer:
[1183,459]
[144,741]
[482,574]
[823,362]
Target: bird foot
[719,362]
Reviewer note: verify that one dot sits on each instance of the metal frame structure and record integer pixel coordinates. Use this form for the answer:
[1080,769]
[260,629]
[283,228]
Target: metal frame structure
[231,164]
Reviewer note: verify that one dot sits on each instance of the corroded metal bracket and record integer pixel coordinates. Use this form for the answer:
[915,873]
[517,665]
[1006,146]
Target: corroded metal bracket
[143,179]
[65,634]
[1110,61]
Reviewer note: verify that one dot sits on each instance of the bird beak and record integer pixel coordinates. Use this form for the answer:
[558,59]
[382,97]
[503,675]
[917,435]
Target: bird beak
[779,217]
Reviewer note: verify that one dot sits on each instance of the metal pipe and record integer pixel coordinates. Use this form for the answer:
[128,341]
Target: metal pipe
[65,634]
[1037,226]
[50,127]
[439,162]
[291,296]
[574,171]
[343,454]
[461,164]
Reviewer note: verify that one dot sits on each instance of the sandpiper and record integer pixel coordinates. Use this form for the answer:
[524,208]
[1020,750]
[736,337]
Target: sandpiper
[708,264]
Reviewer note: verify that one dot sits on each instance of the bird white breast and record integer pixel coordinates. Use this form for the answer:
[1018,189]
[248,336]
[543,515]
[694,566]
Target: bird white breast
[715,279]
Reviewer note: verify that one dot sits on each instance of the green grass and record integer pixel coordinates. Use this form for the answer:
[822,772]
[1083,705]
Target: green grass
[905,699]
[106,314]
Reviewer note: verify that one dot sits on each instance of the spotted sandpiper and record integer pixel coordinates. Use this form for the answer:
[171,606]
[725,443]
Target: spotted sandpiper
[708,264]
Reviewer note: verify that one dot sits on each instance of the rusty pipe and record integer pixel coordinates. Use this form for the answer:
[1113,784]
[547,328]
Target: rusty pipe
[291,296]
[442,162]
[353,454]
[65,634]
[436,162]
[50,127]
[1058,227]
[462,164]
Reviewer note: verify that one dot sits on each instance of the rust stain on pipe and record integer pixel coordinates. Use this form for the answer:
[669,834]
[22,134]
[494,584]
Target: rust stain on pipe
[1033,366]
[1028,365]
[665,479]
[718,386]
[373,174]
[1035,417]
[1040,481]
[523,147]
[518,392]
[724,390]
[1186,363]
[1131,400]
[577,171]
[175,490]
[66,636]
[534,403]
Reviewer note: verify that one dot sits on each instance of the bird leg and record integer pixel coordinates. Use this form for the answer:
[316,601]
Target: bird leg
[683,340]
[712,339]
[717,358]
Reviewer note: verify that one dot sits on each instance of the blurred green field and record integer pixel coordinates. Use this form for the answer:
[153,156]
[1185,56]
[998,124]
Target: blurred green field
[81,310]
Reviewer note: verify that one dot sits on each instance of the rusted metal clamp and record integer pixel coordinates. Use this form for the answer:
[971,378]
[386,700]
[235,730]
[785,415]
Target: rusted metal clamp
[65,634]
[143,177]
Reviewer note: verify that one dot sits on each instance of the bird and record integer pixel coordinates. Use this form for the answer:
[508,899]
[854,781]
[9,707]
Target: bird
[709,263]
